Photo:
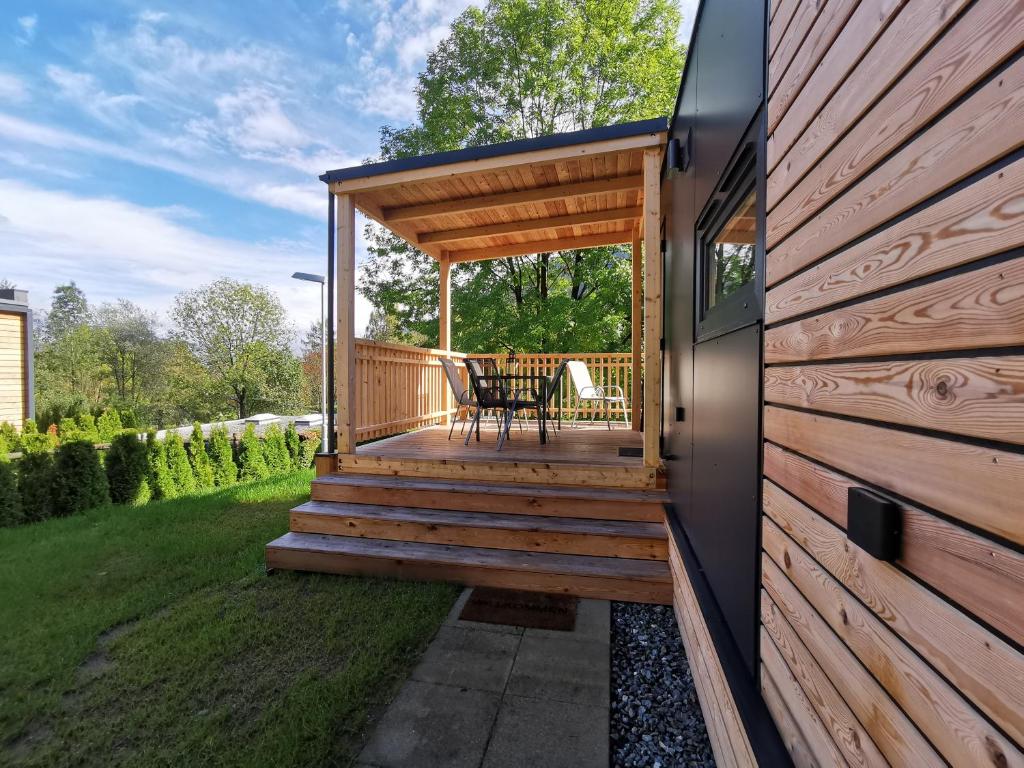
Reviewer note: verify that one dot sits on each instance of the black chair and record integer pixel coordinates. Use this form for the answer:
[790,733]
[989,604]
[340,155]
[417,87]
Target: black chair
[491,395]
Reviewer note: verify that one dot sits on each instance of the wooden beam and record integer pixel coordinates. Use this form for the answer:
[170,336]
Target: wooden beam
[518,197]
[444,320]
[652,307]
[637,327]
[539,246]
[530,225]
[345,350]
[514,160]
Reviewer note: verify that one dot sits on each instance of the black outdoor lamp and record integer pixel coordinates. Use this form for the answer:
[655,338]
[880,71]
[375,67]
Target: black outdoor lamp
[510,359]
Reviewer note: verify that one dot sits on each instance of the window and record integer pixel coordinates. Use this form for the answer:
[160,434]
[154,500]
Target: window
[729,255]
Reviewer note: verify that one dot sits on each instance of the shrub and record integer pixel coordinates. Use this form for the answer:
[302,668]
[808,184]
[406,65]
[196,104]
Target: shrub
[127,469]
[9,436]
[108,425]
[291,439]
[78,480]
[202,468]
[10,500]
[69,431]
[308,448]
[35,482]
[225,471]
[275,451]
[251,462]
[87,424]
[158,474]
[178,464]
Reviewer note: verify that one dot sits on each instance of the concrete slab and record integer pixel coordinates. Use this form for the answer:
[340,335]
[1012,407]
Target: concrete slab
[453,619]
[562,669]
[468,658]
[430,726]
[530,733]
[593,622]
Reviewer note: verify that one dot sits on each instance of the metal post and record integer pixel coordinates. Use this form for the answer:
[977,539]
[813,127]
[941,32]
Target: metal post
[323,363]
[330,439]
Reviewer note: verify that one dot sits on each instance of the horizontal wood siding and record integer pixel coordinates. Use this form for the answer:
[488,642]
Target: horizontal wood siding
[13,372]
[894,361]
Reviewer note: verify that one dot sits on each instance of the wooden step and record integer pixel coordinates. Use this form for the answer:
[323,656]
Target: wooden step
[532,533]
[643,505]
[607,578]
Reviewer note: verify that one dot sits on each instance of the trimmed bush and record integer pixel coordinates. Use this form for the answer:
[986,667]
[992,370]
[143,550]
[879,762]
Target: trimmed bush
[108,425]
[307,449]
[10,438]
[225,471]
[251,463]
[202,468]
[178,464]
[78,480]
[291,440]
[35,483]
[87,424]
[10,500]
[127,469]
[275,451]
[161,483]
[69,431]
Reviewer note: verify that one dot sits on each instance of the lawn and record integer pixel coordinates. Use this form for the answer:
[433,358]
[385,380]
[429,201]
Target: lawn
[154,636]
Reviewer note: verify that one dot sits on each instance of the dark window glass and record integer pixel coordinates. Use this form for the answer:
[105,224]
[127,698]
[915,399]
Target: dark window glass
[729,255]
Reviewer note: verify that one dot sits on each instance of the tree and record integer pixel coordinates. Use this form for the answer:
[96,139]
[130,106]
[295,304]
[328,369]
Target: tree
[178,465]
[79,482]
[275,451]
[225,471]
[292,442]
[126,469]
[520,69]
[201,466]
[312,366]
[131,349]
[252,464]
[10,500]
[69,310]
[238,334]
[159,478]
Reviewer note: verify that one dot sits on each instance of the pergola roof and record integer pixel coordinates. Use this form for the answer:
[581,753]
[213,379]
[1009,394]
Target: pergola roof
[569,190]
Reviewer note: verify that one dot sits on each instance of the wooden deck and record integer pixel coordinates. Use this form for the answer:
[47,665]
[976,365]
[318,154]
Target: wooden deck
[587,455]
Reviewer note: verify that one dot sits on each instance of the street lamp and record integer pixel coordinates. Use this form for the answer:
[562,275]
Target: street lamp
[310,278]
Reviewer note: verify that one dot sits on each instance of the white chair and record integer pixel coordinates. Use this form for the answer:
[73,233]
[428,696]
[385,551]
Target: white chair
[587,391]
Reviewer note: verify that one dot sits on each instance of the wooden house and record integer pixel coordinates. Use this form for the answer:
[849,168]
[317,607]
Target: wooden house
[828,367]
[16,398]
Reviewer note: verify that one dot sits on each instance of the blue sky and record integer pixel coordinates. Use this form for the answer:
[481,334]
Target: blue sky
[147,148]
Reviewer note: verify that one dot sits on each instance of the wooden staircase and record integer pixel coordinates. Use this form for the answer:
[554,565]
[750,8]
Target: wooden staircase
[592,542]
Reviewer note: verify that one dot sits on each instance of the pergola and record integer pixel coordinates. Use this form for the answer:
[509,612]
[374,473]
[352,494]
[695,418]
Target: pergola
[571,190]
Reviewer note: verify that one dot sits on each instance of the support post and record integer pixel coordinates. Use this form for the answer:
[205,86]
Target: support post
[652,307]
[636,321]
[329,443]
[346,354]
[444,320]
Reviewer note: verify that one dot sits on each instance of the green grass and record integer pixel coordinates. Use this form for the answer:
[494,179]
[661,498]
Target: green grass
[153,636]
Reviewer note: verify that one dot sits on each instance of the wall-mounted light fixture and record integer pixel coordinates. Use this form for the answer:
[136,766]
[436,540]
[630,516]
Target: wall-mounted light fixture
[874,523]
[678,153]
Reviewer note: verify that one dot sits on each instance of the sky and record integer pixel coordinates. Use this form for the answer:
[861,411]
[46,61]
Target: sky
[149,148]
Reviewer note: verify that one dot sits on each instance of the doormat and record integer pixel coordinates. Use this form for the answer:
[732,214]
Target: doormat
[631,452]
[534,610]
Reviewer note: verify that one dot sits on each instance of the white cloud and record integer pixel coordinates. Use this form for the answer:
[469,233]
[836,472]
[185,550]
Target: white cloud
[50,236]
[81,89]
[28,29]
[12,89]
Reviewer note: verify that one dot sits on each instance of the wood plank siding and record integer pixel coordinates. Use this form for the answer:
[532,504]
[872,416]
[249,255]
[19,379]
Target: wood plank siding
[13,369]
[894,361]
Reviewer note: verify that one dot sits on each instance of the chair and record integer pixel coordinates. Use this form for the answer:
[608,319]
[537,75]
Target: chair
[490,393]
[586,391]
[464,401]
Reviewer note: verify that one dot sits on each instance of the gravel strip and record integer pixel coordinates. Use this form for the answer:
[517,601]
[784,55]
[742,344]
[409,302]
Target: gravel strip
[656,720]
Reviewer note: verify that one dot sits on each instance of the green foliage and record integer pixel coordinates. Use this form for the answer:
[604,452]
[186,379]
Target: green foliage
[69,430]
[35,484]
[307,449]
[178,464]
[518,69]
[225,471]
[202,467]
[87,424]
[127,469]
[251,461]
[9,437]
[293,443]
[239,335]
[159,478]
[78,479]
[108,425]
[275,451]
[10,501]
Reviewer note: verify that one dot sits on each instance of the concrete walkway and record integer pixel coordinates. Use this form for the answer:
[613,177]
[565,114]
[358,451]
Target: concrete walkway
[495,696]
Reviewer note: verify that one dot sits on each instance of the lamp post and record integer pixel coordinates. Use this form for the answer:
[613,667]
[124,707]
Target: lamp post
[310,278]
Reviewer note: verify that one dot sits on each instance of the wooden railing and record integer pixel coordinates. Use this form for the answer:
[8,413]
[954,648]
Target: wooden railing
[400,387]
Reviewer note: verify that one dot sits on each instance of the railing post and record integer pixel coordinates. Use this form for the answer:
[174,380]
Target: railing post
[346,353]
[652,307]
